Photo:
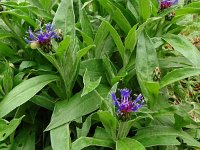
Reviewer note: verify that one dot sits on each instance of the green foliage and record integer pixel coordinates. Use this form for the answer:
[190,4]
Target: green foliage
[7,128]
[163,135]
[128,144]
[23,92]
[58,95]
[60,135]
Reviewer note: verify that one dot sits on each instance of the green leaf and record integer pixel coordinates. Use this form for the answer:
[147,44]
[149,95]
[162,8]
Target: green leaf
[125,126]
[20,14]
[101,41]
[5,50]
[69,67]
[25,140]
[26,8]
[144,9]
[109,122]
[23,92]
[146,63]
[18,78]
[35,3]
[131,39]
[7,129]
[151,90]
[60,138]
[187,10]
[129,144]
[63,46]
[86,39]
[85,22]
[116,14]
[40,13]
[94,69]
[26,64]
[8,79]
[5,35]
[43,101]
[47,4]
[64,18]
[74,108]
[116,38]
[83,51]
[178,74]
[89,85]
[133,6]
[163,135]
[174,62]
[146,57]
[52,60]
[182,119]
[185,47]
[193,4]
[89,141]
[146,23]
[83,132]
[100,133]
[111,71]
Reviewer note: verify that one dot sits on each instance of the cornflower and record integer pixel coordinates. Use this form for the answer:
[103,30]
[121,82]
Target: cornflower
[164,4]
[125,105]
[42,38]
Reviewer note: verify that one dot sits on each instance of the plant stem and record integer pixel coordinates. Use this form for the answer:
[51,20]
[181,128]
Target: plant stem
[122,132]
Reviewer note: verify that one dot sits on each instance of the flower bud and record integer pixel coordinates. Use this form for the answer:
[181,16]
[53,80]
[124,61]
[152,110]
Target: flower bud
[35,45]
[59,35]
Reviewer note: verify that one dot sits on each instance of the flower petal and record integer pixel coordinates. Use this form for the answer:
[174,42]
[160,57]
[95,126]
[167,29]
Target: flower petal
[175,2]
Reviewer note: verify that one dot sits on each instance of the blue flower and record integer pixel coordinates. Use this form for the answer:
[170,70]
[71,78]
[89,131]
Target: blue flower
[42,37]
[164,4]
[125,103]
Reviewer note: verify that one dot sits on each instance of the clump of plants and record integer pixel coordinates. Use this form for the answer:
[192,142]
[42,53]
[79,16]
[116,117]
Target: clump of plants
[99,74]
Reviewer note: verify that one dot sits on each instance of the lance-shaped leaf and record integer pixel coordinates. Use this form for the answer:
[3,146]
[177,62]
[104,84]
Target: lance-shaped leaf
[20,14]
[131,39]
[23,92]
[146,63]
[185,47]
[76,107]
[25,139]
[116,14]
[144,9]
[116,38]
[64,18]
[179,74]
[89,141]
[60,135]
[109,122]
[129,144]
[85,22]
[88,84]
[8,128]
[163,135]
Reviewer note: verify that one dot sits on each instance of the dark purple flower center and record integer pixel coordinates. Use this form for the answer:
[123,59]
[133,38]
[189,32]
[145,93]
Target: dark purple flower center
[164,4]
[43,37]
[125,103]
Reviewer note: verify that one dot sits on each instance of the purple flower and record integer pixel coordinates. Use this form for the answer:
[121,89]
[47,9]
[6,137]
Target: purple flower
[164,4]
[125,103]
[42,37]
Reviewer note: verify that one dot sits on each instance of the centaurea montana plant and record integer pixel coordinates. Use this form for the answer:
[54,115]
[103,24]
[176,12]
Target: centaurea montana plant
[164,4]
[125,105]
[42,38]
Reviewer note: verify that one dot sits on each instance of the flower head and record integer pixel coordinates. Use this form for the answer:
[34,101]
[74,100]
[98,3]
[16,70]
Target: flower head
[43,36]
[164,4]
[125,104]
